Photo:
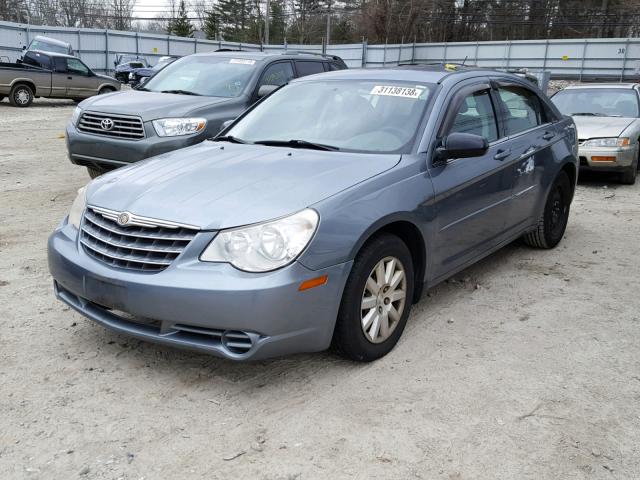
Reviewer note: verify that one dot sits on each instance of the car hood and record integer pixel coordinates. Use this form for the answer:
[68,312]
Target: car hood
[217,185]
[600,127]
[107,77]
[149,105]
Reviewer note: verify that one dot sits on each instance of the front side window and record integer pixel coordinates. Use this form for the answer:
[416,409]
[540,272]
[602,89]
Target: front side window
[351,115]
[77,67]
[476,116]
[597,102]
[521,109]
[211,76]
[277,74]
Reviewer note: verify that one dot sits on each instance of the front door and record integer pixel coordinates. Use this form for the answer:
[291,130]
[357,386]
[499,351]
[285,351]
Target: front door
[472,195]
[80,82]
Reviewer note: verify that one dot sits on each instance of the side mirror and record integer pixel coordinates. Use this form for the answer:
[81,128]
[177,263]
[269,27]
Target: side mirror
[462,145]
[265,90]
[24,48]
[226,124]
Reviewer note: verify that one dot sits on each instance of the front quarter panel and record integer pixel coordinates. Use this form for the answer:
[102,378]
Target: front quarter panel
[352,216]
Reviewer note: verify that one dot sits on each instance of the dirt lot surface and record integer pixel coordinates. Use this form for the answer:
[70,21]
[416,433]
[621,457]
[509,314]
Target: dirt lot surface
[525,366]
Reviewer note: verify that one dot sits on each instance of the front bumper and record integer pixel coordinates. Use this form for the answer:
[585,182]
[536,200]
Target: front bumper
[621,158]
[106,152]
[206,307]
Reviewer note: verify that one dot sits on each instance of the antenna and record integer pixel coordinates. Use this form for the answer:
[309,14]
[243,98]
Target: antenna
[465,59]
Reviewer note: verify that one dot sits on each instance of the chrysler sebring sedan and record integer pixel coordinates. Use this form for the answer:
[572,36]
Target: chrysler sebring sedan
[319,216]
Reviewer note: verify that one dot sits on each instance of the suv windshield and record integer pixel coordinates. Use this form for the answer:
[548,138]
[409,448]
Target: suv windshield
[606,102]
[359,116]
[204,75]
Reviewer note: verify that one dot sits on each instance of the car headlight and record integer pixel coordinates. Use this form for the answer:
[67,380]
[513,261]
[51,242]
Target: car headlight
[77,207]
[607,142]
[264,246]
[75,116]
[174,127]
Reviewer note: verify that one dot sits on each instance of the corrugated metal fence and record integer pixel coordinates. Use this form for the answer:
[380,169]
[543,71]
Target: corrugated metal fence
[611,58]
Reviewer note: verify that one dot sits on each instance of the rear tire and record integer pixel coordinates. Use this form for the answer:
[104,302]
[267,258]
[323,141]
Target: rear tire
[376,300]
[95,172]
[1,97]
[21,96]
[553,221]
[104,90]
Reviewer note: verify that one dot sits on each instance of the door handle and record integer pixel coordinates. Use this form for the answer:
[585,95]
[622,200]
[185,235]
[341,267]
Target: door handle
[548,135]
[69,78]
[502,154]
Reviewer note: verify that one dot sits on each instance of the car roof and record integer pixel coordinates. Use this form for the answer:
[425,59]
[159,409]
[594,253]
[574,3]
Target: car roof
[601,85]
[433,73]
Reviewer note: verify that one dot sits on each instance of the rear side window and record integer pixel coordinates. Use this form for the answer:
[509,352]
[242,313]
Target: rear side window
[521,109]
[476,116]
[277,74]
[331,66]
[305,68]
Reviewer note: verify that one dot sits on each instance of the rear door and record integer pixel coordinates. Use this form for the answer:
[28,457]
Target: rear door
[472,195]
[531,132]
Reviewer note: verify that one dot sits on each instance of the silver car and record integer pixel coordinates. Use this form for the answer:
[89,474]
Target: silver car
[607,117]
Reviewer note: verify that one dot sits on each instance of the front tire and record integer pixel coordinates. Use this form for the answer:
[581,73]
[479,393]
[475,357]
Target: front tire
[376,301]
[104,90]
[95,172]
[553,221]
[628,177]
[21,96]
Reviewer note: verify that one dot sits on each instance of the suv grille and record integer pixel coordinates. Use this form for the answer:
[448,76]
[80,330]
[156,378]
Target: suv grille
[110,125]
[145,248]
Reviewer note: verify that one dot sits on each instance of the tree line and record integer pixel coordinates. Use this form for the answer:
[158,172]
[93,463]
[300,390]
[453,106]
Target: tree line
[351,21]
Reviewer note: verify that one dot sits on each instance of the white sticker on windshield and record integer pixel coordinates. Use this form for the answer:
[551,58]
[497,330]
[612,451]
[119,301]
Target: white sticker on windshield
[242,61]
[390,91]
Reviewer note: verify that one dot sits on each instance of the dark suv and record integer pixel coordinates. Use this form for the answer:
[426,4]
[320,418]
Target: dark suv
[181,105]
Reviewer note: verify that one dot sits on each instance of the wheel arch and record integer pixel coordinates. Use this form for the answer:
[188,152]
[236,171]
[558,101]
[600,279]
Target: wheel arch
[410,234]
[570,169]
[24,81]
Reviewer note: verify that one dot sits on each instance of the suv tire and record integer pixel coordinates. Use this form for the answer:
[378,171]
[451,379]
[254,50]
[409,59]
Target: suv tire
[95,172]
[376,300]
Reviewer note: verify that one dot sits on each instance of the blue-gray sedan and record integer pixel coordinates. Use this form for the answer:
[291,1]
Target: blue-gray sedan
[319,216]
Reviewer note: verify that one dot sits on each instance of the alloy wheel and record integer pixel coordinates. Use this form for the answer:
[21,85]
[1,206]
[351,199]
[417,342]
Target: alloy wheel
[383,299]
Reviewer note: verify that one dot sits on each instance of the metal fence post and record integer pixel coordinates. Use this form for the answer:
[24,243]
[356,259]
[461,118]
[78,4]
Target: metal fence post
[195,45]
[137,44]
[444,60]
[364,53]
[106,50]
[475,55]
[413,51]
[508,54]
[624,60]
[384,54]
[168,44]
[584,52]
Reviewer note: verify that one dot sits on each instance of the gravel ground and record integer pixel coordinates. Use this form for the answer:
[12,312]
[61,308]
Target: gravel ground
[525,366]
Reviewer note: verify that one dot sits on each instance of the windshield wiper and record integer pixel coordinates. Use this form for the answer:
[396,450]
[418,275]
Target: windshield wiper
[589,114]
[297,144]
[142,89]
[228,138]
[180,92]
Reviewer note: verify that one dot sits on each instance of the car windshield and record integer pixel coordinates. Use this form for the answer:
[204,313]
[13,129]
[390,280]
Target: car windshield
[48,47]
[360,116]
[211,76]
[598,102]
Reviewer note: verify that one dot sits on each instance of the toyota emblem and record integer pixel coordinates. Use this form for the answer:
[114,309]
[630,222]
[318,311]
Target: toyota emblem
[106,124]
[123,219]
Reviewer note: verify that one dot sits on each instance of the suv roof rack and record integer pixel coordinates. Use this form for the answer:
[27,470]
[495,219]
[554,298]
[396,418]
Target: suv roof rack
[318,54]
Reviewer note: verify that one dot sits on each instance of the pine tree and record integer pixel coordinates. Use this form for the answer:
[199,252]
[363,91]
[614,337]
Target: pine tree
[277,23]
[181,26]
[211,25]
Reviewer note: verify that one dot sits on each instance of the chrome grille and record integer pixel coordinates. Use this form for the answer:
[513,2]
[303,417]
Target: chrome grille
[123,126]
[145,245]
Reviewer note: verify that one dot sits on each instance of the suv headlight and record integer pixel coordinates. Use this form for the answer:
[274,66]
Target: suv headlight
[75,116]
[607,142]
[77,207]
[175,127]
[264,246]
